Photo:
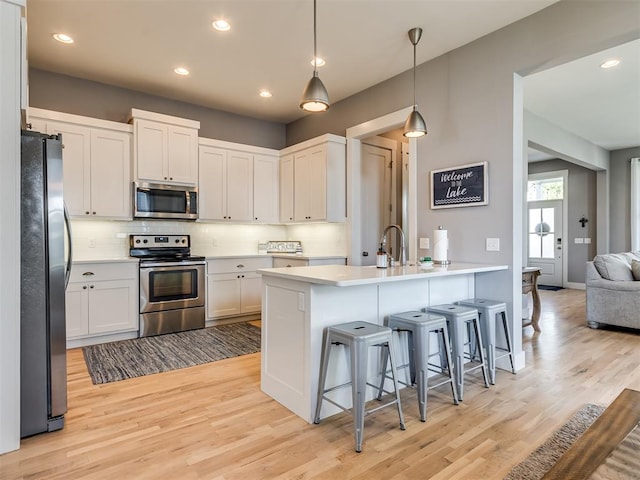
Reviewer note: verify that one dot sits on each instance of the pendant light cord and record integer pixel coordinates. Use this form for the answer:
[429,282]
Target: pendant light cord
[315,54]
[414,75]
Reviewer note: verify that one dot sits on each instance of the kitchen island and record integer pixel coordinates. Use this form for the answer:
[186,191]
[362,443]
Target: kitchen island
[299,302]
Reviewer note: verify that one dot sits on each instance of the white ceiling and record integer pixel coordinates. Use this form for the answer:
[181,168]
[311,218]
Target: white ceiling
[136,44]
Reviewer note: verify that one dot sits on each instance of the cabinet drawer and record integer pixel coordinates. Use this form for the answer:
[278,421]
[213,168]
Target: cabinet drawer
[289,262]
[96,272]
[230,265]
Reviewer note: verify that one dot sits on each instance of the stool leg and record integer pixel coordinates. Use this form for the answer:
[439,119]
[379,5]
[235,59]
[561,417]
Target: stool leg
[394,373]
[457,346]
[358,388]
[476,326]
[421,352]
[324,363]
[488,328]
[383,361]
[447,347]
[507,335]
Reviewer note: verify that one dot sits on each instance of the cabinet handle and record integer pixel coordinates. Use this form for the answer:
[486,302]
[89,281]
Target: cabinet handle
[86,213]
[84,287]
[91,286]
[94,213]
[165,178]
[240,265]
[170,178]
[256,218]
[88,273]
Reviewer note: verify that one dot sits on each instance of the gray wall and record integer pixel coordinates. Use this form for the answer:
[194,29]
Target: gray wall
[620,198]
[469,102]
[581,200]
[62,93]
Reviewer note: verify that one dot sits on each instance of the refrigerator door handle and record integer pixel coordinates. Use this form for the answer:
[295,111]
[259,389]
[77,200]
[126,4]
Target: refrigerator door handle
[67,223]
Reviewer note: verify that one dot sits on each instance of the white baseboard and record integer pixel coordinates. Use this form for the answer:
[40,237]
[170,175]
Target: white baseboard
[575,286]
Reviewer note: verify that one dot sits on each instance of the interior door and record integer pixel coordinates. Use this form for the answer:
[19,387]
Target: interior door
[377,202]
[545,245]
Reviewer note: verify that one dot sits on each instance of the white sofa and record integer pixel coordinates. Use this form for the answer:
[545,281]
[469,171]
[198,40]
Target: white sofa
[613,293]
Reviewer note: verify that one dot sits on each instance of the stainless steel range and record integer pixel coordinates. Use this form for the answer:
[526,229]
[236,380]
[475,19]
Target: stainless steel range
[172,284]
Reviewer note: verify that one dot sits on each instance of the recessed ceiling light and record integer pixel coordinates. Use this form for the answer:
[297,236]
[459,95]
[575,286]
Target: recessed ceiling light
[614,62]
[318,62]
[221,25]
[181,71]
[265,94]
[62,38]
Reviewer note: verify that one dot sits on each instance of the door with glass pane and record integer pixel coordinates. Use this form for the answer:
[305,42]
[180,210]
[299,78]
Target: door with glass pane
[545,240]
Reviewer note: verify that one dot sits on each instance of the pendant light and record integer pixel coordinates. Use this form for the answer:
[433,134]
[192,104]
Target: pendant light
[315,97]
[415,125]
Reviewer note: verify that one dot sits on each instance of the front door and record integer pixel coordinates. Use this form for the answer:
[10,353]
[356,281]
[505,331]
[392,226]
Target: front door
[545,240]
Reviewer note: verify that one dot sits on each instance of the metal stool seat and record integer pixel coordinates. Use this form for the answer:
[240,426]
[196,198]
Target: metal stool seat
[358,336]
[419,326]
[462,320]
[489,311]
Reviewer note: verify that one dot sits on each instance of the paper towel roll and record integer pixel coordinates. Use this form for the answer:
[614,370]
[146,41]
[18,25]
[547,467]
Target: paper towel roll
[440,246]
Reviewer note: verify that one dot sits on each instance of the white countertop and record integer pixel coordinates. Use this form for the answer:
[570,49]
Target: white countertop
[82,260]
[348,275]
[273,255]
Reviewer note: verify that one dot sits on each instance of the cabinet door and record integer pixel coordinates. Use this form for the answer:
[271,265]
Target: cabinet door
[76,157]
[77,310]
[265,188]
[286,189]
[301,186]
[151,150]
[182,155]
[239,186]
[223,294]
[317,171]
[212,184]
[251,301]
[112,306]
[110,174]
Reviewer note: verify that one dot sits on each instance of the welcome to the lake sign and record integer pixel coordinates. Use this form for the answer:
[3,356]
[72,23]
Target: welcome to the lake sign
[463,186]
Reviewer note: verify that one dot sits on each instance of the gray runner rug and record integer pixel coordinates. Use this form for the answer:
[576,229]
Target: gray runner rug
[546,455]
[111,362]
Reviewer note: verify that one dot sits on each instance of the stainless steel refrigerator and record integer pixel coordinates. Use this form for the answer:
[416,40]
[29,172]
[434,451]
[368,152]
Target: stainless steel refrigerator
[44,273]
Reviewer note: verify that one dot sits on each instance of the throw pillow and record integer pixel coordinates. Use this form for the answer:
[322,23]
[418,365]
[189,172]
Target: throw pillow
[614,266]
[635,269]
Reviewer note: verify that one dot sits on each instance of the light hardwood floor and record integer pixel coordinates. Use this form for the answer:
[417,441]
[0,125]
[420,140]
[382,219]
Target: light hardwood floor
[213,422]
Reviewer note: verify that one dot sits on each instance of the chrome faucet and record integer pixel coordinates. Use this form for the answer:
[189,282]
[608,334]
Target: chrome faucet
[403,254]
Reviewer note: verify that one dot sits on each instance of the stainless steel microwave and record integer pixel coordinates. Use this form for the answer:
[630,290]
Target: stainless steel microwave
[157,200]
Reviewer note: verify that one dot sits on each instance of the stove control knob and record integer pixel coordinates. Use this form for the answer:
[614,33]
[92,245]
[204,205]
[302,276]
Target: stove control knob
[138,240]
[184,240]
[177,241]
[145,241]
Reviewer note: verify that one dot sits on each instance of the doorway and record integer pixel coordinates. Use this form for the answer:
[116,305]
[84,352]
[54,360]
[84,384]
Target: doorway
[545,239]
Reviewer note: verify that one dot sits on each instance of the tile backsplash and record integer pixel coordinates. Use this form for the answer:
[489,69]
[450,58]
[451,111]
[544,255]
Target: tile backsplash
[110,239]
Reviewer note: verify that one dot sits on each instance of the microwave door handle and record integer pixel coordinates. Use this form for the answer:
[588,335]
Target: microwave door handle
[67,273]
[188,198]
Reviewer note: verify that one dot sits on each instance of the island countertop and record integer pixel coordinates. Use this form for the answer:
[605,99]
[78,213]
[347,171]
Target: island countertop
[349,275]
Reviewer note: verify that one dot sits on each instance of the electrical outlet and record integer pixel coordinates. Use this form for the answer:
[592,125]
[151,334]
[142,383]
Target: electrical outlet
[121,235]
[493,244]
[587,240]
[424,243]
[92,243]
[578,241]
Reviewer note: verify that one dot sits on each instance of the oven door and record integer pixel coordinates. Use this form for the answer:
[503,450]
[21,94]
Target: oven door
[171,287]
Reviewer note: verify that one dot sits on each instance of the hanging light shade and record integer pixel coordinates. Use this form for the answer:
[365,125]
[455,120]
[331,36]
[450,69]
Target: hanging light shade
[315,97]
[415,125]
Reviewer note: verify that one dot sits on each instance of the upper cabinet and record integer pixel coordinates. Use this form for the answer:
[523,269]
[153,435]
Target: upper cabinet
[165,148]
[237,183]
[96,163]
[313,181]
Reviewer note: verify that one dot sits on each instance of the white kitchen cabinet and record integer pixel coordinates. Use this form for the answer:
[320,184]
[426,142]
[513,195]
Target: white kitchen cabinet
[266,178]
[280,262]
[102,298]
[165,148]
[319,180]
[237,183]
[233,286]
[96,163]
[286,189]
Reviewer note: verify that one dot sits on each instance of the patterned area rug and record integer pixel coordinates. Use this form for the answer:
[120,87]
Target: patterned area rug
[111,362]
[546,455]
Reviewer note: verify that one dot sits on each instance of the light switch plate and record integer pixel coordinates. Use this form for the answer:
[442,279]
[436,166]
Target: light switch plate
[424,243]
[578,241]
[587,240]
[493,244]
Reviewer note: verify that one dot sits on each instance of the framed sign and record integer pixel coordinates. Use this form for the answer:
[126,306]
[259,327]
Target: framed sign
[463,186]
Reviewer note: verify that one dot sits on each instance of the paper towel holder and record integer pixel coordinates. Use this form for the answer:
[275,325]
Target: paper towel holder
[441,262]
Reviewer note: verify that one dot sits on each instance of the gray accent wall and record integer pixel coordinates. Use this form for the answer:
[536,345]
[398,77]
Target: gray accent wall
[581,200]
[620,205]
[62,93]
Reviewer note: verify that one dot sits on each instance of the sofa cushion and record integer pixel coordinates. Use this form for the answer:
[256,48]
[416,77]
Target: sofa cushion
[635,269]
[615,266]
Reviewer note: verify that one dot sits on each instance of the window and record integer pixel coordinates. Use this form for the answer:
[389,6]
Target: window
[545,189]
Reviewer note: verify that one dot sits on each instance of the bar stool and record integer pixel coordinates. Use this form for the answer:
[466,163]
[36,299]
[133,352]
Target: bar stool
[358,336]
[460,319]
[489,311]
[418,326]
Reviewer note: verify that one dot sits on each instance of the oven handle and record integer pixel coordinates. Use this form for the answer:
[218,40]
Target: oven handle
[171,266]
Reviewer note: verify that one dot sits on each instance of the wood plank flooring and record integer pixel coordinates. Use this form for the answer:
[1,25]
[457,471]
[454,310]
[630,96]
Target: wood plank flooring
[213,422]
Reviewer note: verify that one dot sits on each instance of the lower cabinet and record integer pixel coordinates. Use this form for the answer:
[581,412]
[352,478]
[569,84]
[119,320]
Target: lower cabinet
[102,298]
[233,286]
